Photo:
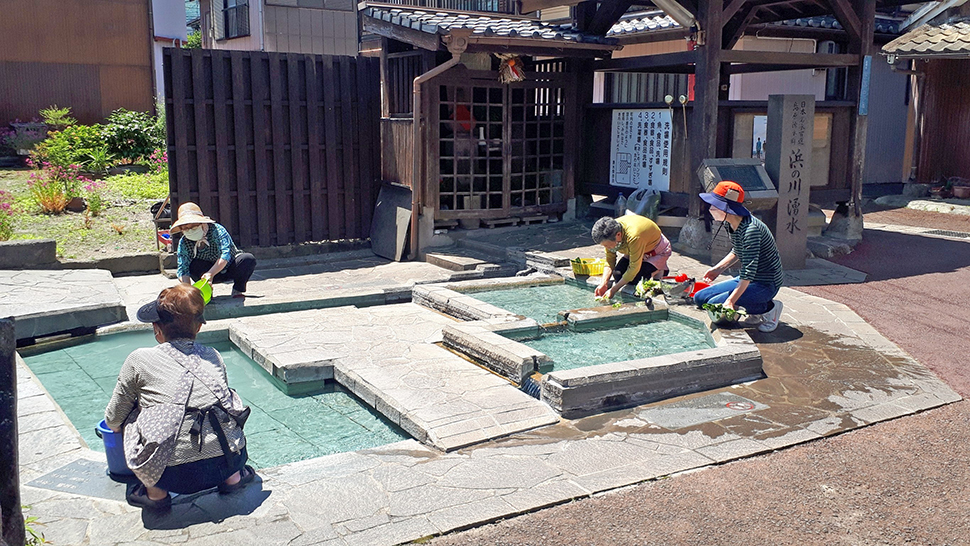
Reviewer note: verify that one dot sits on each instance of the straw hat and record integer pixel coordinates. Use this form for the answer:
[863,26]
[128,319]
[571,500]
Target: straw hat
[188,214]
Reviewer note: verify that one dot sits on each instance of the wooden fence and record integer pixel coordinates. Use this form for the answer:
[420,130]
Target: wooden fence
[279,148]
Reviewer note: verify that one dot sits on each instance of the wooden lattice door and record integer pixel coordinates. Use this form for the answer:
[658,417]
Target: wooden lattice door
[501,148]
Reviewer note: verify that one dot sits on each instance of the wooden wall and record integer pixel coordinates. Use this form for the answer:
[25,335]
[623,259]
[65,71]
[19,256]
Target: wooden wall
[279,148]
[92,55]
[945,145]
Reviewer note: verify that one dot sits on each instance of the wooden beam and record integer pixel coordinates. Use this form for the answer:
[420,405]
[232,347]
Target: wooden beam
[647,62]
[529,6]
[689,5]
[734,29]
[846,15]
[536,48]
[653,36]
[794,60]
[731,9]
[607,15]
[386,29]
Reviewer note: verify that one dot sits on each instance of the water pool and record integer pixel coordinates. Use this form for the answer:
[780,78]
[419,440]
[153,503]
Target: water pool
[570,350]
[322,419]
[541,303]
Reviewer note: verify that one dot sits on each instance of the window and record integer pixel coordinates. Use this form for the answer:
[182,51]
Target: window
[235,16]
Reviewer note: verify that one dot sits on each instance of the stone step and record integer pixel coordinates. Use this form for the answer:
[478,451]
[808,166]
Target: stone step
[454,262]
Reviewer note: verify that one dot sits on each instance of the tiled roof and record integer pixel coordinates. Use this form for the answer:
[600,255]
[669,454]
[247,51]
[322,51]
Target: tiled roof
[482,25]
[644,22]
[658,20]
[947,39]
[883,26]
[192,10]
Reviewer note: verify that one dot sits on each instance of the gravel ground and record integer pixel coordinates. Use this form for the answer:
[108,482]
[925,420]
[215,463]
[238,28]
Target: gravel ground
[898,482]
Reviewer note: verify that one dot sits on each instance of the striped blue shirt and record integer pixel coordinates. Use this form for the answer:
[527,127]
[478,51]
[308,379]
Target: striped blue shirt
[755,248]
[218,244]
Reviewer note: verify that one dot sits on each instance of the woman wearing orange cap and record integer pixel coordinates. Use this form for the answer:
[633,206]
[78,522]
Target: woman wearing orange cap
[206,251]
[753,245]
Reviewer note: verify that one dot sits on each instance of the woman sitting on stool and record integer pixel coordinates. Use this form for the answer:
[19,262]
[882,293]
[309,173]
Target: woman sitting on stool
[206,251]
[182,424]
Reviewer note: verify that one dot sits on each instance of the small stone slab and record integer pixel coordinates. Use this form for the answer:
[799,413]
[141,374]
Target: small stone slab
[453,262]
[82,477]
[50,302]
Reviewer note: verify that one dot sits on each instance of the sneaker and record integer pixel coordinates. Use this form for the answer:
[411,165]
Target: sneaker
[752,320]
[770,319]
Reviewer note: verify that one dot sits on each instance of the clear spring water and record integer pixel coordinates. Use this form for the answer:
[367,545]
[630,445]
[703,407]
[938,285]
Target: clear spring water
[541,303]
[281,429]
[570,350]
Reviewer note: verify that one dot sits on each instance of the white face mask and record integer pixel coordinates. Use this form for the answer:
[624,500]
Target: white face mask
[194,234]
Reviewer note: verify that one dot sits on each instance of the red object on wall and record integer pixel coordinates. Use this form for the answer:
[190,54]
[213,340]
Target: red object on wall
[691,78]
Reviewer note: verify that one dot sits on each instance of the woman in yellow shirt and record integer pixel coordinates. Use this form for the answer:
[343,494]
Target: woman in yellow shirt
[645,251]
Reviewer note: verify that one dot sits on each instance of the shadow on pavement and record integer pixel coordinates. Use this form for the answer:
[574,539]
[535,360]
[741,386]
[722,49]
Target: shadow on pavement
[208,507]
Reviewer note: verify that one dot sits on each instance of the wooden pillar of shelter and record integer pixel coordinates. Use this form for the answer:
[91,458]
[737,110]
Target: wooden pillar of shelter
[11,516]
[704,119]
[579,96]
[858,18]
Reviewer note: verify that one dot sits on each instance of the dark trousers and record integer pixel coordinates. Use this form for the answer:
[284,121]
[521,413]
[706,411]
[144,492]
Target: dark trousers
[239,270]
[646,270]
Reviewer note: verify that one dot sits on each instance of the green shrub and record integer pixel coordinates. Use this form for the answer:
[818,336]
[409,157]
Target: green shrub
[194,40]
[73,146]
[139,186]
[132,136]
[57,118]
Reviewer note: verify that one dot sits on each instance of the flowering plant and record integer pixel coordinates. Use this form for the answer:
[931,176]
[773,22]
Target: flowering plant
[158,161]
[54,186]
[24,137]
[94,197]
[6,215]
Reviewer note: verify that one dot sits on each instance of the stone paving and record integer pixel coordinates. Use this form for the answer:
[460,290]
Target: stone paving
[45,302]
[387,356]
[827,372]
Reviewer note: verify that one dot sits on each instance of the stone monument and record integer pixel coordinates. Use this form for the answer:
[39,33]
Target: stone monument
[788,161]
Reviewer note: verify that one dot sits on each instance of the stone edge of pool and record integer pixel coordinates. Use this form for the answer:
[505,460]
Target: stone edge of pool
[486,331]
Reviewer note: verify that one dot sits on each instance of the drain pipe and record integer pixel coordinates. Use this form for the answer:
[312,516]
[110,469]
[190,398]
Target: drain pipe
[457,42]
[917,111]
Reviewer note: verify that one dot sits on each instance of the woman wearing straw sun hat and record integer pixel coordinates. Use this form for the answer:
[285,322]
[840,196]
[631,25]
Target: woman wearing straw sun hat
[753,245]
[206,251]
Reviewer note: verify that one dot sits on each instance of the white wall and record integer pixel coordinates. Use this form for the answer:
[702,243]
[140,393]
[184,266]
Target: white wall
[168,21]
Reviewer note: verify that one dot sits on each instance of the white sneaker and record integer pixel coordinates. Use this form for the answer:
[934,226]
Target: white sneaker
[752,320]
[769,320]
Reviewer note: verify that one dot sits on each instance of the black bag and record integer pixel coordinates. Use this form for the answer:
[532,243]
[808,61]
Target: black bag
[166,212]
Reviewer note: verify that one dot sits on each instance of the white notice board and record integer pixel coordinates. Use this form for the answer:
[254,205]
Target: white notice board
[640,149]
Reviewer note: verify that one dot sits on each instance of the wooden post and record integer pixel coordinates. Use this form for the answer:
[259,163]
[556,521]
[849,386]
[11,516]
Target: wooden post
[703,139]
[703,125]
[385,85]
[11,517]
[859,78]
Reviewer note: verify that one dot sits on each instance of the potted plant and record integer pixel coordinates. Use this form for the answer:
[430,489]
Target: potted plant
[960,187]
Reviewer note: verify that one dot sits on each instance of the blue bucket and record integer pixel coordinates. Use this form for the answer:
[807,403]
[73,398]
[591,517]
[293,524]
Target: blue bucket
[114,448]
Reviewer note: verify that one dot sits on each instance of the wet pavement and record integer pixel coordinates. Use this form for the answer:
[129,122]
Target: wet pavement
[827,372]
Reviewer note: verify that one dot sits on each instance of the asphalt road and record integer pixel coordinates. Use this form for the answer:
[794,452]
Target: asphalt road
[903,481]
